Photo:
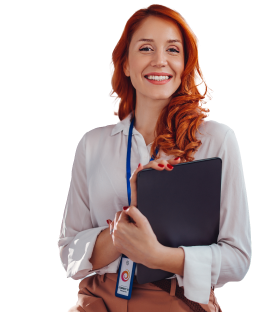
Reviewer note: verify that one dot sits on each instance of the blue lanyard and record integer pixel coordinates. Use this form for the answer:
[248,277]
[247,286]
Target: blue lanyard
[128,160]
[124,258]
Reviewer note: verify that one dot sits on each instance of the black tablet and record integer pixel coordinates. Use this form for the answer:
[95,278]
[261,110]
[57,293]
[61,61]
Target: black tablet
[182,207]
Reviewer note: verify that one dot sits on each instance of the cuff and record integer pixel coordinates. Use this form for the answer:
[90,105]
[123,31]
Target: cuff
[79,252]
[197,273]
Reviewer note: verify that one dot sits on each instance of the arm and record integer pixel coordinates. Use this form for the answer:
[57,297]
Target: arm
[83,247]
[104,251]
[229,259]
[169,259]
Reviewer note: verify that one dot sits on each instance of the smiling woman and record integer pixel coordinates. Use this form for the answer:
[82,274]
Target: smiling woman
[155,74]
[155,38]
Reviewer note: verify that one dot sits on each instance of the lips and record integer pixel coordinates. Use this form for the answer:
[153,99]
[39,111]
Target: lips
[158,82]
[146,76]
[162,74]
[158,74]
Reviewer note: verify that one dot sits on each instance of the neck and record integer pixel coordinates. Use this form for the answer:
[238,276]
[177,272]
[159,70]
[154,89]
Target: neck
[147,112]
[145,124]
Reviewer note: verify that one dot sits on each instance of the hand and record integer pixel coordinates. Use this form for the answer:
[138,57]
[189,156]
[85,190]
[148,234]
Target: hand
[133,236]
[131,232]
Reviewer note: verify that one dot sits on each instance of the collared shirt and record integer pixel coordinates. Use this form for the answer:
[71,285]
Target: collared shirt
[98,190]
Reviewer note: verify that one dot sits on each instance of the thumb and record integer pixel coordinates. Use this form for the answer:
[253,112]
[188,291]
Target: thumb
[135,214]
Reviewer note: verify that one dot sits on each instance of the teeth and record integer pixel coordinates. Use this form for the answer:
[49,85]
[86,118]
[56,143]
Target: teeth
[158,78]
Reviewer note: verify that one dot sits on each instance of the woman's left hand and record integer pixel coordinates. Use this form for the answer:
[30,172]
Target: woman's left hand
[133,236]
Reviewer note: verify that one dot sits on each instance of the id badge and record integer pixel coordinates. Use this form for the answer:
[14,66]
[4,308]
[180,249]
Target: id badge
[125,278]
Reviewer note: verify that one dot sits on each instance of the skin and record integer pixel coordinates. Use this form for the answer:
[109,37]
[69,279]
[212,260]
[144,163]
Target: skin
[157,56]
[136,239]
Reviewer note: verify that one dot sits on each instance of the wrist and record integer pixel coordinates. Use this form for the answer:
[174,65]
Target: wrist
[168,259]
[156,259]
[111,247]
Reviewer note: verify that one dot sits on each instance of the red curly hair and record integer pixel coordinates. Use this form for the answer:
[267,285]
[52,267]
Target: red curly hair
[177,124]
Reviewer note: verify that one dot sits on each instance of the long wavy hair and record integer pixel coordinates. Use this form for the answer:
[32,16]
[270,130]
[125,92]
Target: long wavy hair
[178,121]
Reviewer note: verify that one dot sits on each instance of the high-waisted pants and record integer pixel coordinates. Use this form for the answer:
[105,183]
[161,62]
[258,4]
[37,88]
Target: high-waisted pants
[97,294]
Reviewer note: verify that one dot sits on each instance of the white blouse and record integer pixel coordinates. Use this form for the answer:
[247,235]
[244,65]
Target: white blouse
[98,190]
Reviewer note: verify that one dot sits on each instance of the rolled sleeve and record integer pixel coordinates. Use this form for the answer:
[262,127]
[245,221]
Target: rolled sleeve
[197,273]
[79,251]
[229,259]
[77,235]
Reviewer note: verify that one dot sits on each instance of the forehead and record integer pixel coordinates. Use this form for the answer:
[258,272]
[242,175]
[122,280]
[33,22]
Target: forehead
[158,29]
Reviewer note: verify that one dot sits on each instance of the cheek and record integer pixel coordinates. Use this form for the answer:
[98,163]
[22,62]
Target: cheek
[136,64]
[139,66]
[136,76]
[178,66]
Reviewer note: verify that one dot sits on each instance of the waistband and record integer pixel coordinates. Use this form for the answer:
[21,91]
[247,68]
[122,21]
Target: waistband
[113,276]
[107,277]
[167,285]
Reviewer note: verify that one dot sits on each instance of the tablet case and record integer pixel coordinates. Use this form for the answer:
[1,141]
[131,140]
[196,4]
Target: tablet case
[182,207]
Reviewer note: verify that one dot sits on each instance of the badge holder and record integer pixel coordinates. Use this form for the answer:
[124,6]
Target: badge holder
[125,278]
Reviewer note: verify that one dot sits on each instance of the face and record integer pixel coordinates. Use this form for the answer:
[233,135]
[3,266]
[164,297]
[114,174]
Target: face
[155,57]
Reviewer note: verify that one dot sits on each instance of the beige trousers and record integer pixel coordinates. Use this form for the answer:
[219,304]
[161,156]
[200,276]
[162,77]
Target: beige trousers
[97,294]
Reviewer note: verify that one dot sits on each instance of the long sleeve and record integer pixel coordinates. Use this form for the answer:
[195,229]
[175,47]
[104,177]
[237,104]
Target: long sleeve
[229,259]
[77,235]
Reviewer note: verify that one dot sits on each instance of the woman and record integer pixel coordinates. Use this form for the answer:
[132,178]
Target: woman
[156,42]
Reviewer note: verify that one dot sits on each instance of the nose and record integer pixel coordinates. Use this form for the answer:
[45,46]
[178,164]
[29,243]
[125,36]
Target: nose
[159,59]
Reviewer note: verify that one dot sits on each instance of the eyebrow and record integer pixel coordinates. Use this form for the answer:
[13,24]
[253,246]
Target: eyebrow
[168,41]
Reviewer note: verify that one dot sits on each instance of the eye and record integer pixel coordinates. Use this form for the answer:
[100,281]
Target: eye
[174,50]
[144,48]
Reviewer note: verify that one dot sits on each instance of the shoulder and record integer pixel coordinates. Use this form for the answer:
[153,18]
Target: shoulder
[95,136]
[99,133]
[215,137]
[214,131]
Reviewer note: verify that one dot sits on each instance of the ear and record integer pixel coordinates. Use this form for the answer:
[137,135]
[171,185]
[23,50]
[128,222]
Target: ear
[126,68]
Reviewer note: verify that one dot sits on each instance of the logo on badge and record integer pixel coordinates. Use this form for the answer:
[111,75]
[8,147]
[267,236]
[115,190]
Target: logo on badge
[125,275]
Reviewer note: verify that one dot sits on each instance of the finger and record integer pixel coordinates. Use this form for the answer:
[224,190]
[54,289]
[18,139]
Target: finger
[174,161]
[133,177]
[133,186]
[169,164]
[158,165]
[116,218]
[110,223]
[155,165]
[136,215]
[163,164]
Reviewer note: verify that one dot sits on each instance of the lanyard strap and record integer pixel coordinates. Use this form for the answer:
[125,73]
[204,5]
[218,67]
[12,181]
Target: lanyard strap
[128,159]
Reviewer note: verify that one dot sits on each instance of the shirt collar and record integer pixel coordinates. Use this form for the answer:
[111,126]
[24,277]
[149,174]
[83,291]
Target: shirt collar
[123,125]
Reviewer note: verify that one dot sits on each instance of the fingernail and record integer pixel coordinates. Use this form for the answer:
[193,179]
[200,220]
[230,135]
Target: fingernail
[161,165]
[169,166]
[108,221]
[125,208]
[176,158]
[139,165]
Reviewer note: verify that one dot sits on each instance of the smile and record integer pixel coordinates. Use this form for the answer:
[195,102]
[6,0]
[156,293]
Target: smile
[159,80]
